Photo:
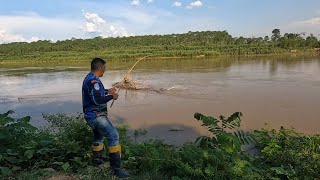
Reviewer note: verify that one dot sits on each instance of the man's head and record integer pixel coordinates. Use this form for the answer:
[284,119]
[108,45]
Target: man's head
[98,66]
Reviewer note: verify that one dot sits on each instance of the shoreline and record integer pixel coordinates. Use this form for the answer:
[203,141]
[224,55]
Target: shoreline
[313,53]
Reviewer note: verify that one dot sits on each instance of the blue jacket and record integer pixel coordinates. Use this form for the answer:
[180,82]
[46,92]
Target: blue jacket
[94,97]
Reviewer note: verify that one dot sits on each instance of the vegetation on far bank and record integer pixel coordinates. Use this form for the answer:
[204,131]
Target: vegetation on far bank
[64,148]
[191,44]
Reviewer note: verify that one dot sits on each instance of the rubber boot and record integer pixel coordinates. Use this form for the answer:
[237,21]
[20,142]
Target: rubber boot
[115,163]
[98,153]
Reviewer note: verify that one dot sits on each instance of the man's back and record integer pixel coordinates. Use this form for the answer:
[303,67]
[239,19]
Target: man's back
[94,97]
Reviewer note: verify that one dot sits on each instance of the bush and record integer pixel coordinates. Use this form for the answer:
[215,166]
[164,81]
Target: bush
[64,145]
[288,154]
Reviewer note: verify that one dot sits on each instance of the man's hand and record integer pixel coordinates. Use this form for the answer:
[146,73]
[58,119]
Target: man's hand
[112,90]
[115,96]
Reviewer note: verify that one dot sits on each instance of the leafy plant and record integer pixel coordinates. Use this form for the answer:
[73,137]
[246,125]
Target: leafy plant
[221,137]
[13,135]
[289,154]
[64,147]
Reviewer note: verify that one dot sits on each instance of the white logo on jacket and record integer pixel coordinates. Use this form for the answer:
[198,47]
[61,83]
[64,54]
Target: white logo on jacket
[96,86]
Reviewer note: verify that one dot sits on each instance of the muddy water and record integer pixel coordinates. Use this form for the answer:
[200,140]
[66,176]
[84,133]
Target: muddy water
[270,92]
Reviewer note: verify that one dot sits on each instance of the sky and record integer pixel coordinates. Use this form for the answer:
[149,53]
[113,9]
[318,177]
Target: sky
[33,20]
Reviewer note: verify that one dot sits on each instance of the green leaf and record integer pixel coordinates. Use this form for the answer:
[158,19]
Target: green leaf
[280,171]
[28,147]
[25,119]
[198,116]
[65,166]
[12,160]
[16,168]
[5,171]
[44,151]
[29,154]
[209,170]
[199,139]
[45,142]
[229,142]
[77,160]
[6,114]
[175,178]
[9,152]
[4,121]
[207,121]
[58,163]
[3,135]
[244,137]
[235,117]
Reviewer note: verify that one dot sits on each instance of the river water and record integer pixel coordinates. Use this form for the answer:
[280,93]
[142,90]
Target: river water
[269,91]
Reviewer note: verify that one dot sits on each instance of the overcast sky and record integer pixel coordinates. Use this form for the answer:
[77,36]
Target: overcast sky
[31,20]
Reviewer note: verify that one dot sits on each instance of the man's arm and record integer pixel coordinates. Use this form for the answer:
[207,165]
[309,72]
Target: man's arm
[98,94]
[110,91]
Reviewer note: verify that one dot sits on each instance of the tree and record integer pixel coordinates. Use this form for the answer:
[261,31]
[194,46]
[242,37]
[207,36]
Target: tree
[275,35]
[291,41]
[311,41]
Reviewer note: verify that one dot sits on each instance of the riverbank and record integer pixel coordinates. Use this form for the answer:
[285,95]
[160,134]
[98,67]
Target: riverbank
[83,59]
[63,148]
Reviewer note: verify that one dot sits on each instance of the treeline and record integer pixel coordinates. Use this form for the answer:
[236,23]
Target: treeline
[191,44]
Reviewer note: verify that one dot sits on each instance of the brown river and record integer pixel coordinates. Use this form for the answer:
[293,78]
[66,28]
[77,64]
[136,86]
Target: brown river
[269,91]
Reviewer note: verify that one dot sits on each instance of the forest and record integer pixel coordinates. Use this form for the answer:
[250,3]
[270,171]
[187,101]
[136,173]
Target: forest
[191,44]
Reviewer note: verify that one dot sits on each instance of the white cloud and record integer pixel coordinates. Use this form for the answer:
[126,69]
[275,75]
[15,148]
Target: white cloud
[6,37]
[312,21]
[35,22]
[93,23]
[30,26]
[36,39]
[112,28]
[135,2]
[150,1]
[97,26]
[195,4]
[308,26]
[177,4]
[115,30]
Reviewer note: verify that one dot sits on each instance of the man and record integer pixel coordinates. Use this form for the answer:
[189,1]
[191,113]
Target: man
[94,101]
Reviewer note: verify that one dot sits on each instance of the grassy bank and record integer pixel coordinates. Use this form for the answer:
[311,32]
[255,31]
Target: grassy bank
[190,45]
[63,148]
[67,58]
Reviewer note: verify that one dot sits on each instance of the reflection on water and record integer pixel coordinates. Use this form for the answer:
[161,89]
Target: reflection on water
[274,90]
